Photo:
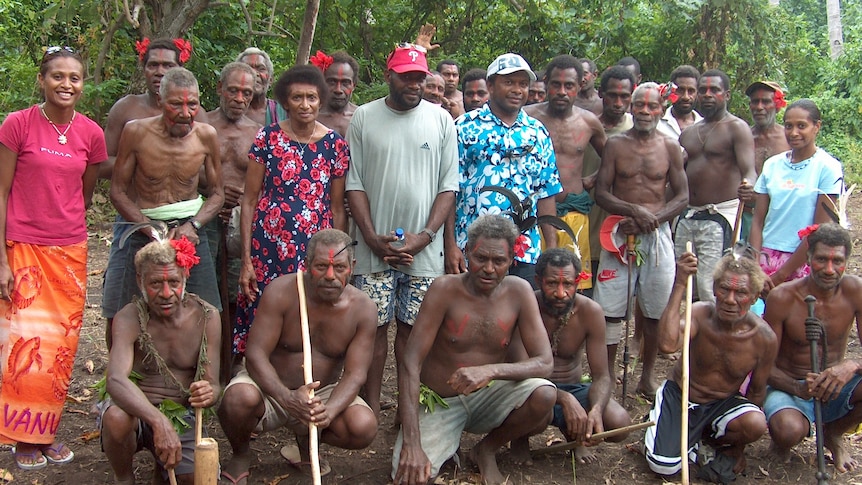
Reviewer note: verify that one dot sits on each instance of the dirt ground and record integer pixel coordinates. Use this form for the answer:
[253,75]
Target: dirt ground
[617,463]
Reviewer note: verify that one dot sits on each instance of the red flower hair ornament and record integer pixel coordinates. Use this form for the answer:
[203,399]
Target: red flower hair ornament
[778,99]
[321,60]
[583,276]
[186,254]
[807,231]
[183,45]
[521,245]
[141,47]
[668,91]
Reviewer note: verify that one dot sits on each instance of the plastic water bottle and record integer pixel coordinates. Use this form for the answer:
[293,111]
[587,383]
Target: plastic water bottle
[399,242]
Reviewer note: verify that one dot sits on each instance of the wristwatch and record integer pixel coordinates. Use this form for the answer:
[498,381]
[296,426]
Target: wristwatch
[196,224]
[431,234]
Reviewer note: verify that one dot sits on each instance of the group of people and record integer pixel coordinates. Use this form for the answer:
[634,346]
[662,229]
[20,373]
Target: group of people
[439,208]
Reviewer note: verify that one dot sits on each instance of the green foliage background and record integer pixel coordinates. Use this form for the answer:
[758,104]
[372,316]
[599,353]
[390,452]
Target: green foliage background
[748,39]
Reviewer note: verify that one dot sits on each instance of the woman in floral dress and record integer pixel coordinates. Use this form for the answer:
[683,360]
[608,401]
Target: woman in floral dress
[296,171]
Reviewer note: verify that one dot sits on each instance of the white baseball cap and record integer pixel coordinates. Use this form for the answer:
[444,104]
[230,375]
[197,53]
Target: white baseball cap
[509,63]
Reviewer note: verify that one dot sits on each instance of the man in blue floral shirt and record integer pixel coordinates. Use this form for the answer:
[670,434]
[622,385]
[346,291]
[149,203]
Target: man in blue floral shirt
[500,145]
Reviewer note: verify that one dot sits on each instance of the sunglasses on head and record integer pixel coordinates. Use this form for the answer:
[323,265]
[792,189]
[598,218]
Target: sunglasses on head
[56,48]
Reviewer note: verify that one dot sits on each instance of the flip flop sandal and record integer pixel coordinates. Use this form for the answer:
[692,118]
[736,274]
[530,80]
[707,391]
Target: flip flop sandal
[58,450]
[33,465]
[291,454]
[235,481]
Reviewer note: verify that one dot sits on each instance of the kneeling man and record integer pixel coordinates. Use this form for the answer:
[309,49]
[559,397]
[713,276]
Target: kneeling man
[161,344]
[458,351]
[269,393]
[727,343]
[571,321]
[792,386]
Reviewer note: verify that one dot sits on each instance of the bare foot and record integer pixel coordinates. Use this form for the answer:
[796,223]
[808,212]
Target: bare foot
[842,460]
[487,463]
[739,454]
[647,387]
[520,452]
[236,470]
[780,455]
[585,455]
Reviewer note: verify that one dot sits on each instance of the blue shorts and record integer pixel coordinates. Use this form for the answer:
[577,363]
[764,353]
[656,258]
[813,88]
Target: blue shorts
[395,294]
[832,410]
[581,392]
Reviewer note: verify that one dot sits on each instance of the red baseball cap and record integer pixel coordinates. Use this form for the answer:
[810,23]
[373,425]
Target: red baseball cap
[610,238]
[407,58]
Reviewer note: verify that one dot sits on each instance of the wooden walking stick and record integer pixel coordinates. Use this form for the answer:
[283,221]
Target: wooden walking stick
[306,370]
[206,454]
[813,332]
[686,334]
[737,225]
[630,255]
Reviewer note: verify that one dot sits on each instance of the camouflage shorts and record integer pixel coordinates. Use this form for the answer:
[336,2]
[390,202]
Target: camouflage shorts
[395,293]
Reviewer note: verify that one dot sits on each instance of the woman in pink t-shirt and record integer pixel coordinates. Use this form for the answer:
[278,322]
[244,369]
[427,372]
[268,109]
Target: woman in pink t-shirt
[48,168]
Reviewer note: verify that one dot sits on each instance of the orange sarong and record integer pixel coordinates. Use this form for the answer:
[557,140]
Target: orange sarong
[39,328]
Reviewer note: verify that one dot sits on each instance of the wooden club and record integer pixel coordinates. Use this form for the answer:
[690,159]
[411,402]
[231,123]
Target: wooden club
[598,436]
[206,454]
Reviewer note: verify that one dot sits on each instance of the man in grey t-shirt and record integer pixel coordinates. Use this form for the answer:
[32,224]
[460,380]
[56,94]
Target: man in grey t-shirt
[403,174]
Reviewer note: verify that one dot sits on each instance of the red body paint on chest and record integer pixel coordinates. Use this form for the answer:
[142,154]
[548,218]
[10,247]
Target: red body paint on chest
[457,329]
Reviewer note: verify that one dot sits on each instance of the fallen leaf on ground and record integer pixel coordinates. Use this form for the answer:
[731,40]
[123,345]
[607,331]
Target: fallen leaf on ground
[89,436]
[89,366]
[5,475]
[276,480]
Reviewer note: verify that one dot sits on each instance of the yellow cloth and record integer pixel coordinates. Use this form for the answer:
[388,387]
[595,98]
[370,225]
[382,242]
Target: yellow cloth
[39,328]
[578,222]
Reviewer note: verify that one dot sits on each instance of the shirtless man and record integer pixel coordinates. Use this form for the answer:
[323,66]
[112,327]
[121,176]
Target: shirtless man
[681,114]
[270,392]
[160,55]
[262,110]
[615,92]
[156,178]
[432,91]
[720,171]
[572,129]
[475,89]
[454,98]
[792,387]
[458,351]
[236,132]
[180,331]
[637,167]
[573,321]
[341,77]
[765,99]
[718,415]
[588,97]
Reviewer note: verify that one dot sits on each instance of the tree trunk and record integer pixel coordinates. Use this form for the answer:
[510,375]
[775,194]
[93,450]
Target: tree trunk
[173,18]
[836,33]
[309,22]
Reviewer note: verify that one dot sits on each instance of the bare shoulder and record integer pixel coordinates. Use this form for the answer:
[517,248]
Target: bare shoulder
[514,286]
[783,295]
[670,143]
[536,111]
[589,117]
[764,331]
[852,285]
[589,311]
[447,283]
[205,130]
[359,302]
